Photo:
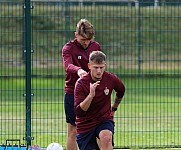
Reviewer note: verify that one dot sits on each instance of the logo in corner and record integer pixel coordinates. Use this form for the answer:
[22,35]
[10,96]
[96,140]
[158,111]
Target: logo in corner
[79,57]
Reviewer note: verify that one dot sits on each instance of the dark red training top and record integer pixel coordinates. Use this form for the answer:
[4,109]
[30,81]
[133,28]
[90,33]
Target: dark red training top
[100,108]
[76,57]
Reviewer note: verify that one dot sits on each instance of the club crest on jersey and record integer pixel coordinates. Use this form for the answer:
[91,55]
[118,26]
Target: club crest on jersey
[106,91]
[79,57]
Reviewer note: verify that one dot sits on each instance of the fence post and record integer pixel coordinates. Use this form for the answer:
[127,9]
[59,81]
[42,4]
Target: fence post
[28,94]
[139,40]
[67,19]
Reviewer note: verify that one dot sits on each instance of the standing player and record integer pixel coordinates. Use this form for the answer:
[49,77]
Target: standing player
[94,114]
[75,56]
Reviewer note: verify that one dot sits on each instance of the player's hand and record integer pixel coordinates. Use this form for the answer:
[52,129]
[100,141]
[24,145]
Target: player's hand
[93,88]
[81,73]
[113,112]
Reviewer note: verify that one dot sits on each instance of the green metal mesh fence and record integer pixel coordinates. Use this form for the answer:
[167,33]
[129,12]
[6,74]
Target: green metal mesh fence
[142,43]
[12,83]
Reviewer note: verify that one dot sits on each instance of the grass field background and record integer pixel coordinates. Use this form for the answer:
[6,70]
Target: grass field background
[149,114]
[142,45]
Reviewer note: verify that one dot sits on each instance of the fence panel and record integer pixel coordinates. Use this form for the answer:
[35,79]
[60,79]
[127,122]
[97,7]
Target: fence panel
[12,74]
[48,119]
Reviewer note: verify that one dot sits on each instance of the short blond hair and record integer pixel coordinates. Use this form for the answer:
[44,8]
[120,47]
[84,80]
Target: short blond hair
[85,29]
[97,57]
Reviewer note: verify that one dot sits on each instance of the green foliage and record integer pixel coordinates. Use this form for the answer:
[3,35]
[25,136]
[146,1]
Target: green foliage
[151,32]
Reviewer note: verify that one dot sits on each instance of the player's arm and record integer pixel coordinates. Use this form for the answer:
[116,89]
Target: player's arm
[68,61]
[116,103]
[85,104]
[120,90]
[81,101]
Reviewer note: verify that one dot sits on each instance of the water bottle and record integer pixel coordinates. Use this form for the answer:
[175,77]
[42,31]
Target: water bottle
[2,147]
[15,147]
[9,147]
[22,147]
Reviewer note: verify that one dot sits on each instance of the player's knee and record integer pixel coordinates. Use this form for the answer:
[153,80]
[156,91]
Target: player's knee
[106,137]
[71,131]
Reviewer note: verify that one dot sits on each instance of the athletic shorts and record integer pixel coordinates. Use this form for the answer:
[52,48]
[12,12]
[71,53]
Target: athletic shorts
[87,141]
[69,108]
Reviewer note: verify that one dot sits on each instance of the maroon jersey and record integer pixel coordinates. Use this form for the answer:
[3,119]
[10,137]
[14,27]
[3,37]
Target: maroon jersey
[100,108]
[74,58]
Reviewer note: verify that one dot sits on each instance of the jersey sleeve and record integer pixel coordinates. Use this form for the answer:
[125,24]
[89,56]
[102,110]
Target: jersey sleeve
[67,59]
[118,86]
[79,96]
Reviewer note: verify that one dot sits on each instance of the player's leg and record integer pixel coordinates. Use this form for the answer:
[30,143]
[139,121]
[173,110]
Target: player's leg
[87,141]
[106,140]
[105,134]
[71,143]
